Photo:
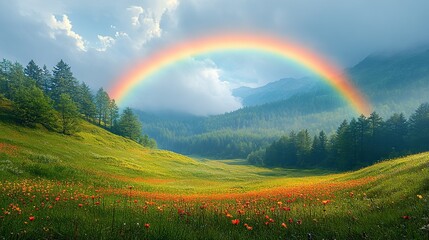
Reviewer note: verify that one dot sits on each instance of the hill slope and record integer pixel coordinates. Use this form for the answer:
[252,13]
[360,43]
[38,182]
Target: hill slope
[83,180]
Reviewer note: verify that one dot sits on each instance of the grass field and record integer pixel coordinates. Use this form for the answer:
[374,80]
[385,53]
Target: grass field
[98,185]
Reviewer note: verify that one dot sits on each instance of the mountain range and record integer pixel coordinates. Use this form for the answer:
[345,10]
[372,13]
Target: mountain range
[393,83]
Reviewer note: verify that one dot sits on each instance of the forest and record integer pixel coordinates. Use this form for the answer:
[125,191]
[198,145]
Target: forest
[58,101]
[356,143]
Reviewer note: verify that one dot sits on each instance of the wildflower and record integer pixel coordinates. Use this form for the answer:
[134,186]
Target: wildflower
[249,228]
[419,196]
[290,220]
[299,222]
[228,215]
[286,208]
[147,225]
[324,202]
[284,225]
[31,218]
[406,217]
[235,221]
[80,205]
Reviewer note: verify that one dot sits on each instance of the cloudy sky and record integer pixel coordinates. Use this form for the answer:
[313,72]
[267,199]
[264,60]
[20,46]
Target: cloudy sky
[102,39]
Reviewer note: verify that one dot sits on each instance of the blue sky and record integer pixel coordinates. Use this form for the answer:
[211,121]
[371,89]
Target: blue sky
[100,39]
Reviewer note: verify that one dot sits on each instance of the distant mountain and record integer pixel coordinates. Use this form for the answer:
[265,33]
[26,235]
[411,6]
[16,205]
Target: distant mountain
[393,83]
[274,91]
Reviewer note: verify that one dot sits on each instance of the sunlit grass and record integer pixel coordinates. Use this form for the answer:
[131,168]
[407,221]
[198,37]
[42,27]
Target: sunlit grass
[98,184]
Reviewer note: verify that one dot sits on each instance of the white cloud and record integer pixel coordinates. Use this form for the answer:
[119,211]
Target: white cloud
[65,27]
[191,86]
[145,21]
[105,42]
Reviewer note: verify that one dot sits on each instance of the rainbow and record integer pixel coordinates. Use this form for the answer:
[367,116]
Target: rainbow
[233,42]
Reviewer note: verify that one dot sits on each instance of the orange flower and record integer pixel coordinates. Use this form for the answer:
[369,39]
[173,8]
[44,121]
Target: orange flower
[290,220]
[80,205]
[235,221]
[284,225]
[324,202]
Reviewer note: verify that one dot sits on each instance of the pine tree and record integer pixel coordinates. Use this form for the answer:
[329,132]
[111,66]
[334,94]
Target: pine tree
[34,72]
[395,132]
[129,126]
[102,101]
[46,80]
[113,113]
[69,114]
[63,82]
[419,128]
[86,102]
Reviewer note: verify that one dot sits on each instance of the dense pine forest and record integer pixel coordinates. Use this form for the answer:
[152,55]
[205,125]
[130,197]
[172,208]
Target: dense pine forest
[356,143]
[58,101]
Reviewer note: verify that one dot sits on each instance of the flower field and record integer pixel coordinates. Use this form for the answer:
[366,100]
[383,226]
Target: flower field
[81,188]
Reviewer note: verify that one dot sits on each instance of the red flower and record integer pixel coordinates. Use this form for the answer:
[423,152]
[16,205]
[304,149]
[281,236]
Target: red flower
[31,218]
[406,217]
[147,225]
[80,205]
[235,221]
[284,225]
[299,222]
[290,220]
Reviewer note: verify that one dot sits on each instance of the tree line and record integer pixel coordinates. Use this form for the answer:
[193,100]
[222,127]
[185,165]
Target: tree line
[356,143]
[58,101]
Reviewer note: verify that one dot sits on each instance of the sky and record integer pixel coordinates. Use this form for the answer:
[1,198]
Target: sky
[103,39]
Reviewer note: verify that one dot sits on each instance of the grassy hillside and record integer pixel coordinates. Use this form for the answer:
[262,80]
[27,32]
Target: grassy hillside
[98,184]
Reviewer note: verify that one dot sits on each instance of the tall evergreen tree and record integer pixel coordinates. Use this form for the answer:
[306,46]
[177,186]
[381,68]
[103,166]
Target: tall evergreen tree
[395,132]
[374,146]
[129,126]
[46,80]
[86,102]
[34,72]
[69,114]
[419,128]
[63,82]
[113,113]
[102,101]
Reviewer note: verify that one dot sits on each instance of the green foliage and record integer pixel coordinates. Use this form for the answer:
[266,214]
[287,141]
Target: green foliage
[68,113]
[129,126]
[33,93]
[63,82]
[34,72]
[86,101]
[102,102]
[419,128]
[32,107]
[359,143]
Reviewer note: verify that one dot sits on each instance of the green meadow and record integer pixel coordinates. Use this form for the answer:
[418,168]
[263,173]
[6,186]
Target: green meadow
[96,184]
